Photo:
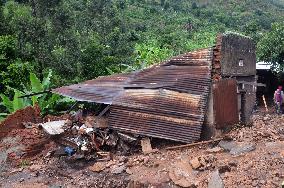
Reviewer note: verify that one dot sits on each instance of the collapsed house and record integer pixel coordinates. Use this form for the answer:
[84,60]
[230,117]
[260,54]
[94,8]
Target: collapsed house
[197,92]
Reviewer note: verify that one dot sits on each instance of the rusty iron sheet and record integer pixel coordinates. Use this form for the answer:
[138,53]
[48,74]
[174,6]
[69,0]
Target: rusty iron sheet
[176,111]
[101,90]
[145,123]
[225,103]
[168,100]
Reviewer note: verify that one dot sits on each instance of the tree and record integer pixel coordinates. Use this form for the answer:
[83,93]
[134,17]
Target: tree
[271,46]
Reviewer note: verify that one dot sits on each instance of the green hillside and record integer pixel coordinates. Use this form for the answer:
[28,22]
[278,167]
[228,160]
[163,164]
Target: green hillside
[172,22]
[83,39]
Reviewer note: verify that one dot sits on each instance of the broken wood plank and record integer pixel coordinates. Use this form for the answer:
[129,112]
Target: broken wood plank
[265,104]
[104,111]
[146,145]
[194,144]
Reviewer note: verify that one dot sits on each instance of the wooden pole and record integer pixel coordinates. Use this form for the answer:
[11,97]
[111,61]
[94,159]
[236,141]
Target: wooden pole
[265,104]
[194,144]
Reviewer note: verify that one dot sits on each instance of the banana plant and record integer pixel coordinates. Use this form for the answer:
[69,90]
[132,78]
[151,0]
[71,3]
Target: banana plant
[46,101]
[13,105]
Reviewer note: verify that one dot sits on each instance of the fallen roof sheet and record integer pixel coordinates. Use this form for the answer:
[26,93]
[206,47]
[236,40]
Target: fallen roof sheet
[168,100]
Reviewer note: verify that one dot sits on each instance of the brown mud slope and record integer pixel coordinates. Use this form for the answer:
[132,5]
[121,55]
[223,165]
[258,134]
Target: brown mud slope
[15,121]
[254,157]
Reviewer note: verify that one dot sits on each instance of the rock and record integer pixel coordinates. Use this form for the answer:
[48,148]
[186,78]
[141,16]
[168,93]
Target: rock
[54,127]
[215,150]
[146,146]
[118,169]
[203,161]
[98,167]
[16,170]
[195,163]
[278,144]
[233,163]
[224,168]
[123,159]
[254,183]
[181,174]
[34,168]
[59,152]
[266,118]
[146,160]
[110,163]
[215,180]
[238,150]
[36,174]
[128,171]
[227,145]
[134,184]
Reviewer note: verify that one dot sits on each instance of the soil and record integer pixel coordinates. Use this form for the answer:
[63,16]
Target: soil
[254,157]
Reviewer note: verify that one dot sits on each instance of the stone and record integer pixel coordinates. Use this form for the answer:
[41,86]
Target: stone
[215,180]
[215,150]
[118,169]
[262,181]
[34,167]
[254,183]
[54,127]
[238,150]
[266,118]
[98,167]
[233,163]
[227,145]
[123,159]
[278,145]
[203,161]
[128,171]
[146,146]
[224,168]
[182,174]
[16,170]
[195,163]
[110,163]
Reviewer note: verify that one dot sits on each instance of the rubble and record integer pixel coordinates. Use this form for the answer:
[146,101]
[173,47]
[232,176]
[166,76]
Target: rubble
[118,169]
[17,119]
[215,150]
[146,145]
[98,167]
[241,149]
[54,127]
[215,180]
[203,162]
[182,174]
[85,155]
[195,163]
[227,145]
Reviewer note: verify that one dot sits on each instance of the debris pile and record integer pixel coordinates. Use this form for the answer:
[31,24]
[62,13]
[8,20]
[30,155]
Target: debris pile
[15,121]
[88,137]
[252,157]
[265,128]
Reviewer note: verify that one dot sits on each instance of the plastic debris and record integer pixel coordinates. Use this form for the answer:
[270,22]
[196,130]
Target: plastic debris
[69,151]
[54,127]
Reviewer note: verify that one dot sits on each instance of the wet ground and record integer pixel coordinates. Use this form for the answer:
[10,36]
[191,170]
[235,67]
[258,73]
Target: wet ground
[254,157]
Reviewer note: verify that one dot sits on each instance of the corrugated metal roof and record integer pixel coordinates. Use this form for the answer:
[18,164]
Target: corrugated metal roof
[167,100]
[101,90]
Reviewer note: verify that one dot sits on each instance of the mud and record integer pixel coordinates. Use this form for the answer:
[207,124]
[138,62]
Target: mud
[259,166]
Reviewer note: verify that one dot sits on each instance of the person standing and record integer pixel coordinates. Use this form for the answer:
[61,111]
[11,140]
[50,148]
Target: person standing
[278,99]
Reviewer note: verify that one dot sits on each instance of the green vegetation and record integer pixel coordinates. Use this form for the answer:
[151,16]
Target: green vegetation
[47,102]
[271,46]
[79,39]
